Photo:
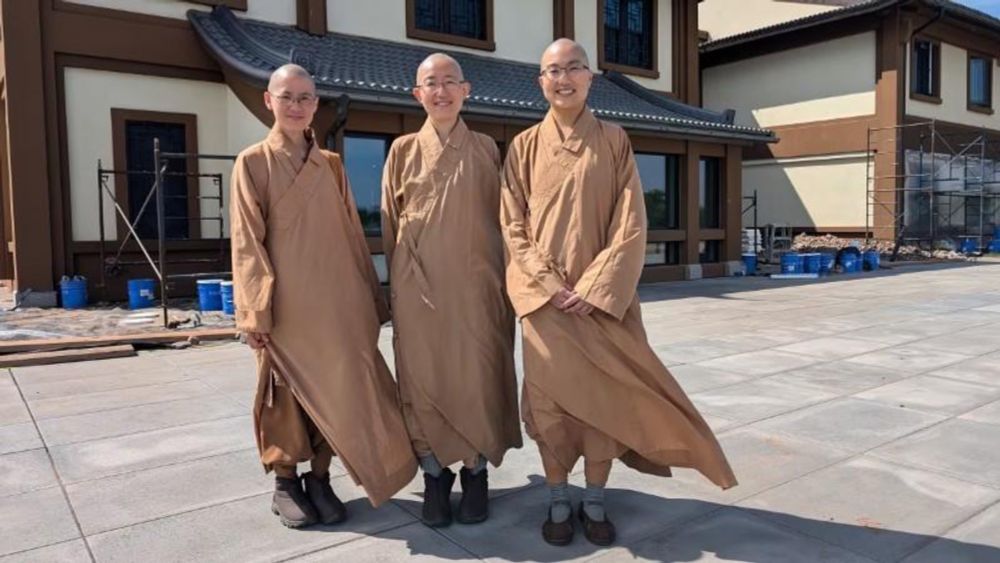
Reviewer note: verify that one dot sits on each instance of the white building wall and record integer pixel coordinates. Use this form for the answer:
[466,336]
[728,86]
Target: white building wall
[722,18]
[277,11]
[954,92]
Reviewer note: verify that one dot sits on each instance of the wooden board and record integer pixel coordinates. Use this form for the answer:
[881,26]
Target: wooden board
[63,356]
[17,346]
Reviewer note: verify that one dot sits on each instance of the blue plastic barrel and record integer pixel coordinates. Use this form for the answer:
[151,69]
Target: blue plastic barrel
[226,292]
[141,293]
[996,232]
[811,263]
[73,292]
[871,260]
[750,263]
[209,295]
[826,261]
[849,263]
[791,263]
[969,246]
[995,246]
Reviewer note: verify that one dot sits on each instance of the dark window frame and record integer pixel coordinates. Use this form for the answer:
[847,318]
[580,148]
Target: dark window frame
[970,105]
[487,44]
[388,138]
[678,159]
[606,65]
[720,188]
[119,120]
[935,96]
[240,5]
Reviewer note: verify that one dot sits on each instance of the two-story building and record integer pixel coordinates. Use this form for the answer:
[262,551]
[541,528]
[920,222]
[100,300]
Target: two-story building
[85,81]
[885,110]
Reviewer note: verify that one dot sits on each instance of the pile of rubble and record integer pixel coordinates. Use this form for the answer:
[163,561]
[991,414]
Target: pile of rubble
[831,243]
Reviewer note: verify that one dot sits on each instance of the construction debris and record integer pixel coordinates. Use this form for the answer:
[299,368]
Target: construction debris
[831,243]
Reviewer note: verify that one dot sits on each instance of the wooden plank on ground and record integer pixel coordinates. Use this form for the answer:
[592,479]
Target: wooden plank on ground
[41,345]
[63,356]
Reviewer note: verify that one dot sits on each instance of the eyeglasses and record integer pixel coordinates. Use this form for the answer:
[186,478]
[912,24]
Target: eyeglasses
[432,85]
[572,71]
[288,100]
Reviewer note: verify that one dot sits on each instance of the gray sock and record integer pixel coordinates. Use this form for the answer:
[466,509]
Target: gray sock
[593,502]
[430,465]
[479,466]
[560,507]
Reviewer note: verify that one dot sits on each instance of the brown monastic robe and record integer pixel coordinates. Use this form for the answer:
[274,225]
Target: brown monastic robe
[453,325]
[573,214]
[302,273]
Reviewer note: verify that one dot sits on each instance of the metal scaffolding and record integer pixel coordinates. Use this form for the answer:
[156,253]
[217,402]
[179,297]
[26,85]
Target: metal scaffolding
[159,263]
[929,184]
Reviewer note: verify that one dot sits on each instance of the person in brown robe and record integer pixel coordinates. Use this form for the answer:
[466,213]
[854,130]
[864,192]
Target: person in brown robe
[308,301]
[453,325]
[574,222]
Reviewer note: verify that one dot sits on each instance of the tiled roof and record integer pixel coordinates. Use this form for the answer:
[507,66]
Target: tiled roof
[381,72]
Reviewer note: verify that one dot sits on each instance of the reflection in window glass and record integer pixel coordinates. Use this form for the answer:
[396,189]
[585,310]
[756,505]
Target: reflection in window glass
[364,157]
[660,177]
[710,193]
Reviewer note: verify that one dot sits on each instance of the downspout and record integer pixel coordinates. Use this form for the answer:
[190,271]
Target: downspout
[941,12]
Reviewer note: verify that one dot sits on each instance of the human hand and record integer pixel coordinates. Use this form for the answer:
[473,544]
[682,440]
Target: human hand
[257,340]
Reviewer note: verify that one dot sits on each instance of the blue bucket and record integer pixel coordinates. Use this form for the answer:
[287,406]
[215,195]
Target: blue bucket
[969,246]
[209,295]
[750,263]
[141,293]
[871,260]
[791,263]
[826,262]
[811,263]
[995,246]
[226,292]
[849,263]
[73,292]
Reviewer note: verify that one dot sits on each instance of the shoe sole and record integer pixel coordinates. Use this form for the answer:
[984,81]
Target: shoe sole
[441,524]
[558,543]
[290,523]
[470,521]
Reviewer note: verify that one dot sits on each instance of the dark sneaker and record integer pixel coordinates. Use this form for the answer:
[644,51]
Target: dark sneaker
[597,532]
[437,499]
[291,504]
[320,493]
[474,506]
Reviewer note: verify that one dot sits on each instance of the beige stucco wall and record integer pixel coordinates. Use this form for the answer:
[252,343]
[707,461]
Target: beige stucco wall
[585,29]
[954,92]
[224,127]
[809,192]
[277,11]
[829,80]
[722,18]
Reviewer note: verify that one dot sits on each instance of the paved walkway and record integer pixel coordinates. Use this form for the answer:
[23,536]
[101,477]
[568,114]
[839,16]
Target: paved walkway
[862,417]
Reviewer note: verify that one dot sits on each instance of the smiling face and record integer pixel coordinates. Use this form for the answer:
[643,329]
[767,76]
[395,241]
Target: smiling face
[291,97]
[441,88]
[565,77]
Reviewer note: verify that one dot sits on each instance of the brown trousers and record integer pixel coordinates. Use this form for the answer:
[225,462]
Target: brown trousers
[288,436]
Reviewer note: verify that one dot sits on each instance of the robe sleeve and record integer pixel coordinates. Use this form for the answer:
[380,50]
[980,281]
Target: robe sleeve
[357,232]
[609,282]
[541,280]
[253,274]
[390,207]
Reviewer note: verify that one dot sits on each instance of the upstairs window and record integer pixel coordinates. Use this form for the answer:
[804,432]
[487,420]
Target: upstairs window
[627,36]
[925,79]
[980,83]
[467,23]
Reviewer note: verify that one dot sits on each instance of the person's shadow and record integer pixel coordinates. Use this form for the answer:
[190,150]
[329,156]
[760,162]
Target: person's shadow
[653,528]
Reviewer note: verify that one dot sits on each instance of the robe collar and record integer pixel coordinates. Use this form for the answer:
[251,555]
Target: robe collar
[574,143]
[431,144]
[281,145]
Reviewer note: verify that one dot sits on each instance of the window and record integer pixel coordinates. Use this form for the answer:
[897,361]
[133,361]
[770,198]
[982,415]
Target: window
[709,251]
[710,193]
[468,23]
[925,70]
[660,177]
[627,36]
[663,253]
[133,132]
[980,83]
[364,157]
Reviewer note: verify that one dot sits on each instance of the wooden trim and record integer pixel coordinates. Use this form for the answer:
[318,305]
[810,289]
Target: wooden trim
[732,203]
[311,16]
[240,5]
[663,273]
[6,234]
[686,66]
[815,138]
[690,212]
[890,100]
[990,64]
[666,235]
[935,97]
[119,119]
[713,234]
[605,65]
[563,22]
[713,269]
[487,44]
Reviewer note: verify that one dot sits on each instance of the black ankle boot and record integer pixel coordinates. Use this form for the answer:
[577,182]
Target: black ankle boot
[291,504]
[474,507]
[437,499]
[328,507]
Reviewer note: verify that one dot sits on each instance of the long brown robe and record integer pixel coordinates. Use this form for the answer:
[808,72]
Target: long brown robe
[453,326]
[573,214]
[303,274]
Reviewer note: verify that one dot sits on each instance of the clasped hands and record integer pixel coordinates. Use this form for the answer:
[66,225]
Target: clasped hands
[569,301]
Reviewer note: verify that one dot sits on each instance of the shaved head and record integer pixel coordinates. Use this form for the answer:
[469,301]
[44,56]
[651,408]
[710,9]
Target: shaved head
[287,71]
[560,48]
[439,63]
